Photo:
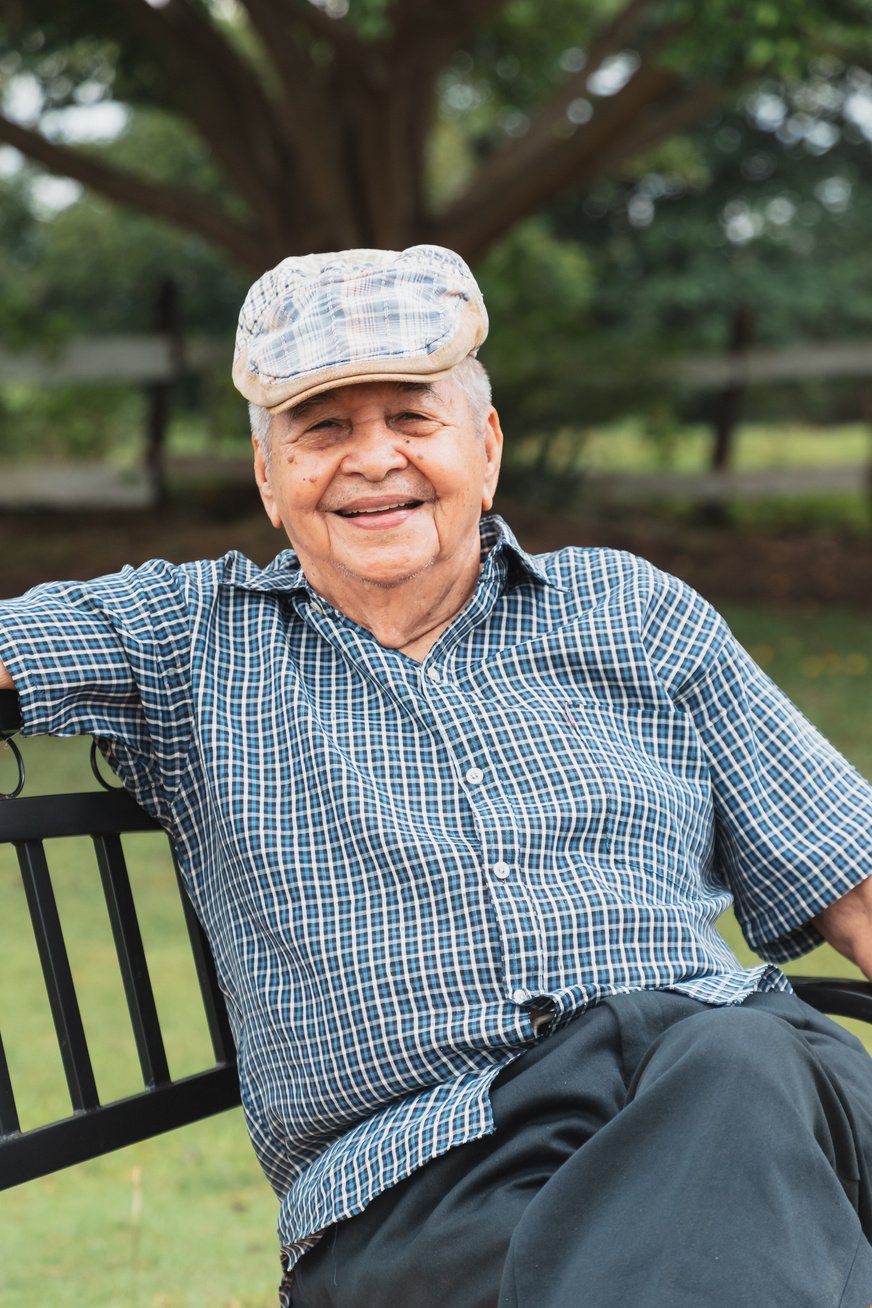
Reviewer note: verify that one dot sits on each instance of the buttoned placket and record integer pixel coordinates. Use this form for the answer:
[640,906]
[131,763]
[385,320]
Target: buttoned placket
[431,682]
[508,895]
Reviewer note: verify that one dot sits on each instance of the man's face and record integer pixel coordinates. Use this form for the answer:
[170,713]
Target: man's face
[377,482]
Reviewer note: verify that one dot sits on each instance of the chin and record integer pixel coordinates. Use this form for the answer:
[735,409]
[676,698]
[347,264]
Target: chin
[388,577]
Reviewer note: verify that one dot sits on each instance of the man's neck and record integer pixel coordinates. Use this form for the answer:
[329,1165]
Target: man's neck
[411,614]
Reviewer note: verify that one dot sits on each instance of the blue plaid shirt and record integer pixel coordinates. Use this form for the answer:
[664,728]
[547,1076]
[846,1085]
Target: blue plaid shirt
[398,863]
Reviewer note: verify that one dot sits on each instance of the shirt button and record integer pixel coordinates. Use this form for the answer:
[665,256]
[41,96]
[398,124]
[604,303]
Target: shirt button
[316,608]
[520,996]
[501,870]
[434,674]
[474,776]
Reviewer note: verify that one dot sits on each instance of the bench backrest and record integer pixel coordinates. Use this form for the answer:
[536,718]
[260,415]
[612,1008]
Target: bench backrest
[102,818]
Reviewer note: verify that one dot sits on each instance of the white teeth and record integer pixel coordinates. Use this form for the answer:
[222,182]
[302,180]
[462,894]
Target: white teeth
[383,508]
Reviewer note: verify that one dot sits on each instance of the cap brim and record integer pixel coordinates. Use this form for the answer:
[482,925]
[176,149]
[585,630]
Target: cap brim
[358,379]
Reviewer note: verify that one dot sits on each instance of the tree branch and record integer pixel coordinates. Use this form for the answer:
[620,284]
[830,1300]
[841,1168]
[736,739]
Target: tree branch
[614,36]
[852,56]
[534,163]
[496,201]
[208,82]
[513,161]
[451,18]
[472,238]
[186,209]
[302,97]
[673,117]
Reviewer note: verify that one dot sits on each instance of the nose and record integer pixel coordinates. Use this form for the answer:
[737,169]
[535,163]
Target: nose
[374,451]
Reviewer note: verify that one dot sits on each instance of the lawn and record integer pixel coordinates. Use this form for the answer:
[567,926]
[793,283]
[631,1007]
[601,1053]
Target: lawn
[627,445]
[183,1221]
[186,1221]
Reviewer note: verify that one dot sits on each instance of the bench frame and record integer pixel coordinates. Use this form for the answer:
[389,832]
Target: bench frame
[95,1128]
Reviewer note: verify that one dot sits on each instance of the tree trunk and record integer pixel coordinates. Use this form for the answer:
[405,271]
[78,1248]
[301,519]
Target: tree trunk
[321,133]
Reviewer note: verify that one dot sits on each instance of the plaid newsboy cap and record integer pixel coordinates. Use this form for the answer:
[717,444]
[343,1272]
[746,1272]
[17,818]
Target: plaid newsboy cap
[325,320]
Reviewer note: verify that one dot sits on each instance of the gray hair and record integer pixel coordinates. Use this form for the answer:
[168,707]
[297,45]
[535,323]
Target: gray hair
[260,422]
[470,376]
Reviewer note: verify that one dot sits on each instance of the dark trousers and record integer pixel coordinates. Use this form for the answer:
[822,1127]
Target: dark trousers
[655,1151]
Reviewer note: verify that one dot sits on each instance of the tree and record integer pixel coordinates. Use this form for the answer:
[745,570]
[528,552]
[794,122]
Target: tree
[765,210]
[321,117]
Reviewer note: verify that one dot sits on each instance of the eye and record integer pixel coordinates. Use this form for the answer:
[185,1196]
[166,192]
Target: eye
[410,417]
[324,431]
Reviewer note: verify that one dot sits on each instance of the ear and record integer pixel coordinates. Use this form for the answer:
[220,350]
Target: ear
[493,449]
[261,476]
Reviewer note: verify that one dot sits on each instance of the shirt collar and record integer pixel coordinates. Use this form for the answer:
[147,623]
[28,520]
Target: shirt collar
[499,542]
[284,575]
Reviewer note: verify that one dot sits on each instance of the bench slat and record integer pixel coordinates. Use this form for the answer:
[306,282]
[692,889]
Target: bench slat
[10,713]
[115,1125]
[8,1112]
[213,999]
[163,1104]
[131,959]
[58,977]
[89,812]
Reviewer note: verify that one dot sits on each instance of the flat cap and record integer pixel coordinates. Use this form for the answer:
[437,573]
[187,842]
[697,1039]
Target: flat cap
[323,320]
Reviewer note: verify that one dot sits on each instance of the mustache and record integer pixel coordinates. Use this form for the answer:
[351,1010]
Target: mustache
[398,489]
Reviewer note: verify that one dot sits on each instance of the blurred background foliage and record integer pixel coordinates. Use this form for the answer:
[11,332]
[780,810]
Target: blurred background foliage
[728,208]
[758,206]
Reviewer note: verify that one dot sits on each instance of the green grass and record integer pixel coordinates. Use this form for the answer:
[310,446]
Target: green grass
[187,1220]
[626,446]
[822,658]
[183,1221]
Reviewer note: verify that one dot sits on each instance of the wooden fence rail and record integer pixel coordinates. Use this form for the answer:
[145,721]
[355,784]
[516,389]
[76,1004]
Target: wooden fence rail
[158,361]
[159,357]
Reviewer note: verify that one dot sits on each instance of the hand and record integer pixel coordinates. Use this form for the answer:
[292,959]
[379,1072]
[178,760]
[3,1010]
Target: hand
[847,926]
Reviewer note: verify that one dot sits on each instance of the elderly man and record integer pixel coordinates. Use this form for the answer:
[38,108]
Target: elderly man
[459,822]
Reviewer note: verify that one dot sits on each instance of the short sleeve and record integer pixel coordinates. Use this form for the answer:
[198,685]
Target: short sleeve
[109,658]
[793,817]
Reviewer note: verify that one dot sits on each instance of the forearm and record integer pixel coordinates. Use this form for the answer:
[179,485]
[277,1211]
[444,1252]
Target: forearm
[6,682]
[847,925]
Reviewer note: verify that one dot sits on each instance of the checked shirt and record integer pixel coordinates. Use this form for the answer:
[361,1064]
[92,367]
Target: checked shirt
[398,864]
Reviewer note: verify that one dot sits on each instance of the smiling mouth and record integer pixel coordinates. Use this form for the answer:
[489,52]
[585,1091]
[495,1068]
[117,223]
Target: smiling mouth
[380,509]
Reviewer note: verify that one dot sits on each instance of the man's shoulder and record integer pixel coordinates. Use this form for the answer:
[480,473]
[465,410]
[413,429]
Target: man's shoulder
[617,596]
[162,585]
[599,571]
[232,573]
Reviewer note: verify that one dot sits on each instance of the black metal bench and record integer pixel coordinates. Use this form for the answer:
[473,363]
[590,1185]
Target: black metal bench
[93,1127]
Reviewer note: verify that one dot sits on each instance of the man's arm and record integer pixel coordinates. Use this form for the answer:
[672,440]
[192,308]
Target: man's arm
[110,658]
[847,926]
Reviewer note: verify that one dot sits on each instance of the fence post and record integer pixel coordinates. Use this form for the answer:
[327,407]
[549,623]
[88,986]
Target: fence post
[728,407]
[167,321]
